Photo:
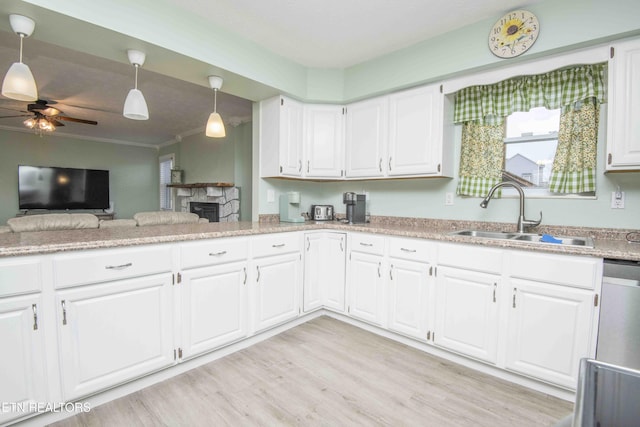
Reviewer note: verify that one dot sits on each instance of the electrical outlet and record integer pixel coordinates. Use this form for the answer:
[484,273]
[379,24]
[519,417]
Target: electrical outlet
[271,196]
[448,199]
[617,200]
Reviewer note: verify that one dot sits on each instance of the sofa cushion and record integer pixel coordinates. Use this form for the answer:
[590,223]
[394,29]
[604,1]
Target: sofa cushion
[117,223]
[48,222]
[165,218]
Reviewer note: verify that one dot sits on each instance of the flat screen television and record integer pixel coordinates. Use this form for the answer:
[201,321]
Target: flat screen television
[55,188]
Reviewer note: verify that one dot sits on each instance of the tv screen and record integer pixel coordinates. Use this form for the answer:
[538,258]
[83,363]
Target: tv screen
[42,187]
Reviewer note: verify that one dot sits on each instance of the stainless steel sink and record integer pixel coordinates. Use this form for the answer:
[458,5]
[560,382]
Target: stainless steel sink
[586,242]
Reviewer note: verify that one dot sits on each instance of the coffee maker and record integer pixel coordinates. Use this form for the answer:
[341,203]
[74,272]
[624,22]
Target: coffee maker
[356,207]
[290,207]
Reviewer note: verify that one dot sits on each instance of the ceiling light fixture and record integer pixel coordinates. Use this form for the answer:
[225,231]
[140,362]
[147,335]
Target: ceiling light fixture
[135,107]
[19,82]
[40,124]
[215,127]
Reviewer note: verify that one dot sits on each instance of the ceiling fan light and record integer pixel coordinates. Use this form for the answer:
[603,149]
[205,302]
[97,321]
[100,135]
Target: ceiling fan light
[215,127]
[135,106]
[19,83]
[30,123]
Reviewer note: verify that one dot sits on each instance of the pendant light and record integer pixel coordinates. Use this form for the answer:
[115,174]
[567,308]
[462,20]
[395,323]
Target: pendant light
[215,127]
[135,107]
[19,82]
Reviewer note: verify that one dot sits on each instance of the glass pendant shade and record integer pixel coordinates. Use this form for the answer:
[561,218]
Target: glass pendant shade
[19,83]
[135,106]
[215,127]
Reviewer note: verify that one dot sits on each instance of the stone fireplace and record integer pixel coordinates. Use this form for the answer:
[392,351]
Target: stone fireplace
[208,210]
[227,199]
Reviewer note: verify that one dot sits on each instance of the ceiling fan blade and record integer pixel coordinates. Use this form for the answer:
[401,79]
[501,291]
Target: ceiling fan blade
[14,109]
[73,119]
[56,123]
[19,115]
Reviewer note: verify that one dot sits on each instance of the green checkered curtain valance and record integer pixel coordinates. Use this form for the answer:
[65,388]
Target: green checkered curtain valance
[562,88]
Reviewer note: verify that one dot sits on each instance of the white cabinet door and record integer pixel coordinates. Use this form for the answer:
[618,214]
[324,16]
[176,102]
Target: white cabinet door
[22,378]
[549,330]
[214,301]
[415,132]
[324,271]
[408,297]
[467,312]
[113,332]
[366,140]
[366,288]
[324,141]
[281,137]
[623,141]
[278,283]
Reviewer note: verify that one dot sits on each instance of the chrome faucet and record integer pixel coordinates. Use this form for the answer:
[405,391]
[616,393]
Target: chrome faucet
[522,222]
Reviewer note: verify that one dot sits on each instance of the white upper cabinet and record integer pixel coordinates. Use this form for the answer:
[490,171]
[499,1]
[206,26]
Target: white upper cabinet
[323,141]
[415,132]
[366,138]
[623,137]
[281,137]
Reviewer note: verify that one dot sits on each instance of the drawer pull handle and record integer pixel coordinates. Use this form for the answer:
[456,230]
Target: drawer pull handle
[244,282]
[64,312]
[308,244]
[258,270]
[379,266]
[514,297]
[281,245]
[341,247]
[119,267]
[391,272]
[495,285]
[34,307]
[407,250]
[380,164]
[217,253]
[366,244]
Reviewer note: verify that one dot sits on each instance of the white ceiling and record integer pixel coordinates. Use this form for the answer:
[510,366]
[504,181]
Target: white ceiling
[314,33]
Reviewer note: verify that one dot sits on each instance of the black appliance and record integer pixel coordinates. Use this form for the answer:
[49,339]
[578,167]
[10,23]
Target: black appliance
[41,187]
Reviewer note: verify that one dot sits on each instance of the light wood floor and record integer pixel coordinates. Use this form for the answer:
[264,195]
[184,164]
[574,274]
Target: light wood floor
[329,373]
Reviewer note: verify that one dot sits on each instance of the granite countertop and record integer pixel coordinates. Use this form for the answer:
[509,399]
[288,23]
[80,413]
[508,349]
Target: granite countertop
[609,243]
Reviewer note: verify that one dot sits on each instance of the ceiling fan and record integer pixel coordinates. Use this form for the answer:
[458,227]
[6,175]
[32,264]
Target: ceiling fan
[44,117]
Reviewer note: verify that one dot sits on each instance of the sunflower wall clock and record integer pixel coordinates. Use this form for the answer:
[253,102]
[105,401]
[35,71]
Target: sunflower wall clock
[514,34]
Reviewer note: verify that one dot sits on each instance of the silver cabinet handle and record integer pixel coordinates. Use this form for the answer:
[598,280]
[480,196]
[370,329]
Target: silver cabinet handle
[299,165]
[119,267]
[495,285]
[366,244]
[341,248]
[379,266]
[64,312]
[390,162]
[514,297]
[308,165]
[280,245]
[380,164]
[308,244]
[217,253]
[258,270]
[407,250]
[244,282]
[34,307]
[391,272]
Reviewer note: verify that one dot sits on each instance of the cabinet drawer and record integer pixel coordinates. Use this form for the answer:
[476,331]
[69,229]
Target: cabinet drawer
[275,244]
[19,276]
[213,252]
[367,243]
[470,257]
[411,249]
[113,264]
[576,271]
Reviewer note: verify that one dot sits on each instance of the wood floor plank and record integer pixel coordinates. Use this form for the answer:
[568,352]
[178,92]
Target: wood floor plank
[328,373]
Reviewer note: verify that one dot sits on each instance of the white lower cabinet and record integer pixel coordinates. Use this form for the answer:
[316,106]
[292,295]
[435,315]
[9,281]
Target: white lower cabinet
[549,330]
[466,309]
[366,287]
[213,307]
[409,297]
[23,379]
[324,271]
[113,332]
[278,280]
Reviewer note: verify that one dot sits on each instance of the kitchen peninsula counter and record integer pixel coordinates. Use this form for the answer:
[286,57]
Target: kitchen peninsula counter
[609,243]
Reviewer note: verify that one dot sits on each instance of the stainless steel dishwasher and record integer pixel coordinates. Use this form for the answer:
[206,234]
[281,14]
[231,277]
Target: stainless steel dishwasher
[619,330]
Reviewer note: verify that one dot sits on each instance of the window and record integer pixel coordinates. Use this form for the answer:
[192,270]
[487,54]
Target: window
[166,164]
[530,147]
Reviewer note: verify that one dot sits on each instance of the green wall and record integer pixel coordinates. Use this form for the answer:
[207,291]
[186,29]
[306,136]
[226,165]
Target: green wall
[133,170]
[227,159]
